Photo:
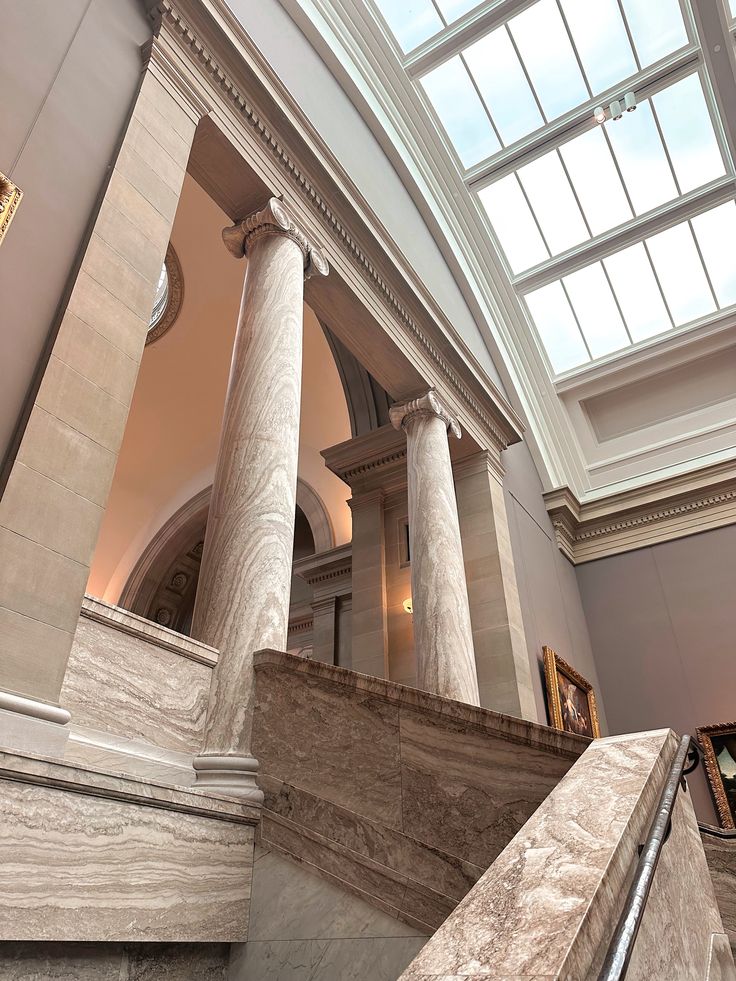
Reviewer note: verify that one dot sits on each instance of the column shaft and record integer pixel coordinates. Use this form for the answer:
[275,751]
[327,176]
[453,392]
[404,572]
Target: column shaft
[443,636]
[242,600]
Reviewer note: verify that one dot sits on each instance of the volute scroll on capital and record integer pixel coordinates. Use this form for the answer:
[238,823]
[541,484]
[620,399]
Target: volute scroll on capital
[428,404]
[274,219]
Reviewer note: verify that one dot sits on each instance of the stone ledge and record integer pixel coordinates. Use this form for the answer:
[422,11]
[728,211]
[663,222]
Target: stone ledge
[42,771]
[563,744]
[94,608]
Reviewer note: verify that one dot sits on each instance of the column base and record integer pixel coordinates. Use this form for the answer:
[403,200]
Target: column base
[234,776]
[28,725]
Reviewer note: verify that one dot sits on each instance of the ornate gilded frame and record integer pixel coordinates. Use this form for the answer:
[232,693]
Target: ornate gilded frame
[10,195]
[175,297]
[553,664]
[713,771]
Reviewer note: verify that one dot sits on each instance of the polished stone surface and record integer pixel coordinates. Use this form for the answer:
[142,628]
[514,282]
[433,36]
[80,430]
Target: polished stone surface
[547,906]
[403,796]
[720,959]
[443,636]
[720,851]
[245,580]
[137,683]
[305,926]
[86,855]
[97,750]
[56,961]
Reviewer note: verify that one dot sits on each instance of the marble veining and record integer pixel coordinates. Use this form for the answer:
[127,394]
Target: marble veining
[443,636]
[76,866]
[126,684]
[547,906]
[244,586]
[720,851]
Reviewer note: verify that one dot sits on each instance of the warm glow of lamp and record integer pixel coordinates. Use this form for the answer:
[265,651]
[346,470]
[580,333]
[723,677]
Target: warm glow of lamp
[407,606]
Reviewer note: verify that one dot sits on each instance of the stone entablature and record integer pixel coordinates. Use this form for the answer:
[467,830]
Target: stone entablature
[641,516]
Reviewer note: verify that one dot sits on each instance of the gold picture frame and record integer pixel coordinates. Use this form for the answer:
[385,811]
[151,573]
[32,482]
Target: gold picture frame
[566,691]
[10,195]
[714,740]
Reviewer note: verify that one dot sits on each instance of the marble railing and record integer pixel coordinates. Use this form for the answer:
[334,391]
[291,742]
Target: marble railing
[137,682]
[403,797]
[547,907]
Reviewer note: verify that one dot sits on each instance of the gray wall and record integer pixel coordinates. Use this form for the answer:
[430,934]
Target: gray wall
[663,625]
[303,926]
[68,74]
[550,599]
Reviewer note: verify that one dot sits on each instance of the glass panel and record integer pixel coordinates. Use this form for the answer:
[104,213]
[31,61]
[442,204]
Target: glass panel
[656,27]
[594,176]
[688,133]
[546,51]
[513,224]
[600,38]
[556,326]
[412,21]
[716,234]
[642,159]
[161,298]
[452,9]
[498,73]
[638,295]
[461,111]
[732,6]
[681,274]
[553,203]
[596,310]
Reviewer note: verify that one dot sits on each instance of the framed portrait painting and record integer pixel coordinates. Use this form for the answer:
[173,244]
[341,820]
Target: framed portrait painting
[570,698]
[719,755]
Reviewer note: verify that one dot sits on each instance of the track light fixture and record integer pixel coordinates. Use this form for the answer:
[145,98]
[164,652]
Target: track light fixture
[616,108]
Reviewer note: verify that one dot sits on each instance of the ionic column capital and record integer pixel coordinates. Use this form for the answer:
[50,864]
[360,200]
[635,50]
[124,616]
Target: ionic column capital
[274,219]
[428,404]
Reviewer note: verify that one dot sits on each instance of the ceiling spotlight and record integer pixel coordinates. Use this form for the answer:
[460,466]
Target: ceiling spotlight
[599,114]
[615,109]
[630,101]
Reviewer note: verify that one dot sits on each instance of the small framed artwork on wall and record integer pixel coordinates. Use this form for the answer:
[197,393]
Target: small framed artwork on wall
[719,754]
[570,698]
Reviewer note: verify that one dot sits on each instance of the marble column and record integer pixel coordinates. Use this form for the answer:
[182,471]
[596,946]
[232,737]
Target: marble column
[443,637]
[242,600]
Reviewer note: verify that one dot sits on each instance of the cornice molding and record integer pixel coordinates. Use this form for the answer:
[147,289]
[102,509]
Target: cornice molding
[672,508]
[326,567]
[491,410]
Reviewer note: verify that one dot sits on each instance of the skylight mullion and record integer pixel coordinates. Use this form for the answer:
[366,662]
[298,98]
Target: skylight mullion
[703,263]
[526,73]
[666,216]
[439,12]
[629,35]
[574,193]
[482,100]
[574,48]
[575,317]
[618,170]
[666,149]
[659,285]
[618,305]
[577,121]
[533,213]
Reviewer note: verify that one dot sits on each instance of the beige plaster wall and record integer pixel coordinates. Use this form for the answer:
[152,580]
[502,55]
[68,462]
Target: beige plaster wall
[170,445]
[68,78]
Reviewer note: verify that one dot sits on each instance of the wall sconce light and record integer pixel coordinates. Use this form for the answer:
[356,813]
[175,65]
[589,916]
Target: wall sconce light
[408,608]
[599,114]
[630,101]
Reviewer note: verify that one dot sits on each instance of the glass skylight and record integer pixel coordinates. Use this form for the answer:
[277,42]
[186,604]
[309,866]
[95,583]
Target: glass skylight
[557,199]
[673,278]
[613,173]
[546,61]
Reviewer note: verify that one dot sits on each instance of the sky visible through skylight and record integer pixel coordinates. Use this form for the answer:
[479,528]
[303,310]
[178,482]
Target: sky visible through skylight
[546,62]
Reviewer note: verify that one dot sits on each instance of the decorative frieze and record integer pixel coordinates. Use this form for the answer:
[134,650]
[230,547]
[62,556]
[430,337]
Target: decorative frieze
[641,516]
